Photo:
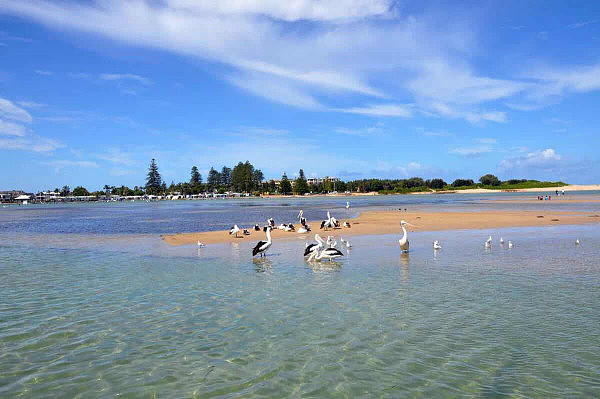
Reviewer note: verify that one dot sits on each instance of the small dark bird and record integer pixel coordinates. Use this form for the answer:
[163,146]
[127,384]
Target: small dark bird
[246,232]
[256,228]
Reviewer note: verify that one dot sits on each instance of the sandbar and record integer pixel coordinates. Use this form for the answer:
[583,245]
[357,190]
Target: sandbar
[388,222]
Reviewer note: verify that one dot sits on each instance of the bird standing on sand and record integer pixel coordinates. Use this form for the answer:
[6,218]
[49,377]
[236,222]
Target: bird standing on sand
[234,230]
[263,246]
[404,244]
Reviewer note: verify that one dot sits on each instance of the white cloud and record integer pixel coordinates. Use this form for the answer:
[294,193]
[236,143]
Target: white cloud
[542,159]
[11,129]
[116,156]
[30,143]
[9,110]
[30,104]
[43,72]
[471,151]
[584,23]
[367,131]
[125,77]
[397,110]
[64,163]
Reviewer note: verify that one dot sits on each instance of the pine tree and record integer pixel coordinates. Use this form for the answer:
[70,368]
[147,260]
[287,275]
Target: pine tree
[195,176]
[153,180]
[213,179]
[286,186]
[226,176]
[301,187]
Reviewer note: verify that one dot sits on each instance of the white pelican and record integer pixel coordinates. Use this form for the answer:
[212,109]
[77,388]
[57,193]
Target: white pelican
[201,245]
[263,246]
[329,253]
[577,240]
[234,230]
[347,205]
[310,248]
[404,244]
[501,241]
[436,245]
[510,244]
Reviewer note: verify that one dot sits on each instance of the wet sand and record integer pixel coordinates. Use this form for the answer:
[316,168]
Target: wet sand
[388,222]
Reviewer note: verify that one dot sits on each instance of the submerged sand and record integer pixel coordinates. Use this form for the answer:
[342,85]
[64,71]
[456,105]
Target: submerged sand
[388,222]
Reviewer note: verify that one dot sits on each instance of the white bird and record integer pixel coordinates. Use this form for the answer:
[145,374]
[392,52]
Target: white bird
[311,248]
[300,214]
[489,240]
[329,253]
[510,244]
[200,245]
[234,230]
[263,246]
[302,230]
[330,242]
[328,223]
[488,244]
[436,245]
[281,226]
[347,225]
[347,205]
[346,243]
[404,244]
[501,241]
[577,241]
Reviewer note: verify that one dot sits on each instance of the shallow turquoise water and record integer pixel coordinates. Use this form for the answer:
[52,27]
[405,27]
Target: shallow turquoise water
[97,316]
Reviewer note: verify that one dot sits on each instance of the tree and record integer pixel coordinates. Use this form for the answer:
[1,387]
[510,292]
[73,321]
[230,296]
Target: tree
[80,191]
[436,183]
[257,178]
[226,176]
[301,187]
[195,177]
[153,180]
[286,186]
[489,180]
[213,179]
[462,182]
[66,190]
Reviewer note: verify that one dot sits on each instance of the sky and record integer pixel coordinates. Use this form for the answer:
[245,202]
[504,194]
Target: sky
[92,90]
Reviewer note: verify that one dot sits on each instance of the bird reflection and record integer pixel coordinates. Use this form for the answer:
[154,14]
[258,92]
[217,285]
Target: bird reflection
[317,266]
[262,265]
[404,264]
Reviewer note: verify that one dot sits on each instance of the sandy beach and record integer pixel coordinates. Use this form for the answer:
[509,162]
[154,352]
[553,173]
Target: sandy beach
[388,222]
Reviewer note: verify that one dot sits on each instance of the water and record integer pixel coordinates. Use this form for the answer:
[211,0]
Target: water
[98,314]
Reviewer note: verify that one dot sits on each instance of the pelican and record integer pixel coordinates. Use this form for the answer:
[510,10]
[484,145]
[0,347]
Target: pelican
[256,227]
[263,246]
[501,241]
[404,244]
[234,230]
[271,223]
[328,223]
[436,245]
[311,248]
[488,244]
[577,240]
[489,240]
[200,245]
[347,205]
[289,227]
[329,253]
[300,214]
[330,242]
[510,244]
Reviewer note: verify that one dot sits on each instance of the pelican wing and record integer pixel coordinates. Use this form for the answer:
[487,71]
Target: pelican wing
[258,248]
[309,249]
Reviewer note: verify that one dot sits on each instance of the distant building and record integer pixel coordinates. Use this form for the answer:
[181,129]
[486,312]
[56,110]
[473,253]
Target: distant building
[47,196]
[10,196]
[23,199]
[315,180]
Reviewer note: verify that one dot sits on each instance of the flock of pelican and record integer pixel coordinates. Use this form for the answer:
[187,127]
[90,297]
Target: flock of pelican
[326,250]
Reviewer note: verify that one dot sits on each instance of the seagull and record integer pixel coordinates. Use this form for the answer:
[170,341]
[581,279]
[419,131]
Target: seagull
[234,230]
[488,244]
[346,243]
[510,244]
[256,227]
[404,244]
[347,205]
[200,245]
[489,240]
[289,227]
[281,226]
[577,241]
[501,241]
[436,245]
[263,246]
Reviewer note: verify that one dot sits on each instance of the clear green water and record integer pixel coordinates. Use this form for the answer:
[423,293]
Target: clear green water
[96,316]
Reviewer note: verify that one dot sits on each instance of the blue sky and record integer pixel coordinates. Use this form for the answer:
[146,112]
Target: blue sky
[91,90]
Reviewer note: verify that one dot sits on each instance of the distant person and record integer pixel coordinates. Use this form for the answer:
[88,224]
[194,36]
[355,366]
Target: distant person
[557,193]
[563,192]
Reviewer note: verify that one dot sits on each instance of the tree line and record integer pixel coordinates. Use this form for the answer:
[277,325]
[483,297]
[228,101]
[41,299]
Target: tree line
[245,178]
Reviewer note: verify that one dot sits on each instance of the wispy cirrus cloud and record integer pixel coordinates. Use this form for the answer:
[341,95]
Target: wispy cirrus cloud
[584,23]
[481,146]
[11,129]
[397,110]
[60,164]
[126,77]
[31,143]
[31,104]
[10,110]
[43,72]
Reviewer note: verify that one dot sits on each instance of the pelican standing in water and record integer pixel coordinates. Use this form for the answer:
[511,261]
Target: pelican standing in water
[404,244]
[501,241]
[310,248]
[347,205]
[329,253]
[510,244]
[234,230]
[263,246]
